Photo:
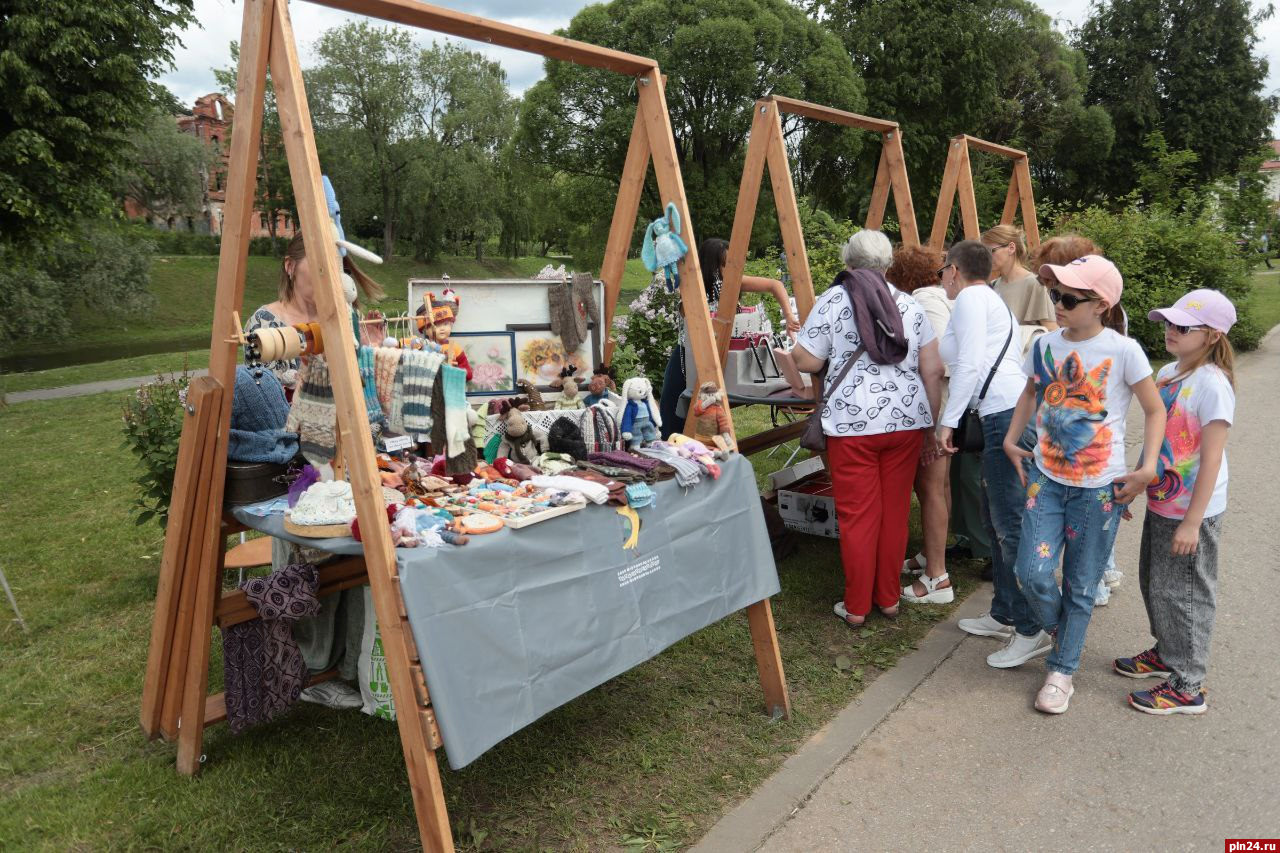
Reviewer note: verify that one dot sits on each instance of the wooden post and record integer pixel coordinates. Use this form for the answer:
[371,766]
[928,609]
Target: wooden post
[353,426]
[621,229]
[1030,225]
[968,204]
[957,177]
[764,641]
[788,207]
[946,194]
[901,188]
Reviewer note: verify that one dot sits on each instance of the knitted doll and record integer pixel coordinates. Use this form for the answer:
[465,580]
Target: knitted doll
[663,248]
[519,444]
[601,384]
[438,326]
[711,423]
[693,449]
[640,418]
[569,398]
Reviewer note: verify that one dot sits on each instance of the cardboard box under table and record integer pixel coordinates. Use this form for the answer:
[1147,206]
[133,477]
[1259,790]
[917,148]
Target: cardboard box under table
[806,498]
[519,622]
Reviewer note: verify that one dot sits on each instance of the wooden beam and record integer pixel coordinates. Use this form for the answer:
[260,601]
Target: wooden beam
[788,207]
[353,423]
[947,193]
[993,148]
[666,166]
[901,188]
[968,203]
[622,228]
[466,26]
[832,115]
[763,121]
[1010,201]
[772,437]
[1030,225]
[879,193]
[764,641]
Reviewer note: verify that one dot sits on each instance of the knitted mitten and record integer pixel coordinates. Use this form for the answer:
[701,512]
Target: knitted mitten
[419,369]
[313,415]
[584,303]
[564,315]
[365,360]
[386,361]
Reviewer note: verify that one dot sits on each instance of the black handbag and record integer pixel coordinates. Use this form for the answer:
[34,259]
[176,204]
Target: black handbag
[967,436]
[813,437]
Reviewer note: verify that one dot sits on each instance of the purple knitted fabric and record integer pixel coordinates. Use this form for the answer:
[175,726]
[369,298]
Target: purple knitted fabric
[264,667]
[624,459]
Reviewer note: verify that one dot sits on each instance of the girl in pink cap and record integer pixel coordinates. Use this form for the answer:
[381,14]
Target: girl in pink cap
[1178,562]
[1080,379]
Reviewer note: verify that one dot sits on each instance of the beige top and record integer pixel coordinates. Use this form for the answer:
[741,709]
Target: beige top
[1027,298]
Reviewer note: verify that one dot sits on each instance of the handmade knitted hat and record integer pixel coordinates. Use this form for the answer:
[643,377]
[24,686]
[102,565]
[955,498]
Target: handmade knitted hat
[258,415]
[565,436]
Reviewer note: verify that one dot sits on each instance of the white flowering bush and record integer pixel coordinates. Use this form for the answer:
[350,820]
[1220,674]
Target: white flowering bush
[650,330]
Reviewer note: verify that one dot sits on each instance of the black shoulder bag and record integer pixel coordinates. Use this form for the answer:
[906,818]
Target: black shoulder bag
[967,436]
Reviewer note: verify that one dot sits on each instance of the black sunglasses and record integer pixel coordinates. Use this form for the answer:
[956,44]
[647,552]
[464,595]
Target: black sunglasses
[1182,330]
[943,269]
[1069,301]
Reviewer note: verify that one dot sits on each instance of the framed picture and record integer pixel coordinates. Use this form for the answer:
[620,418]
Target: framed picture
[540,354]
[493,362]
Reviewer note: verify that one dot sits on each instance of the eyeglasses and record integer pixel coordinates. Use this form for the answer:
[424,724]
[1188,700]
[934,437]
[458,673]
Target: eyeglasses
[1068,301]
[1183,330]
[943,269]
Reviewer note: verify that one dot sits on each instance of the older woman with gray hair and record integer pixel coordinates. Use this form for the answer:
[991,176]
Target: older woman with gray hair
[880,397]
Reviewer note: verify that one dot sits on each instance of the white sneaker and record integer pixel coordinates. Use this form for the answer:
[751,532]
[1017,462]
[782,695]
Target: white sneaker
[1055,694]
[333,694]
[985,626]
[1112,578]
[1020,650]
[1102,595]
[933,593]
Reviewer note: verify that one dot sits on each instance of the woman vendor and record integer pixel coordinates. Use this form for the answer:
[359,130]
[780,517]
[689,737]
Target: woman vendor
[332,637]
[712,255]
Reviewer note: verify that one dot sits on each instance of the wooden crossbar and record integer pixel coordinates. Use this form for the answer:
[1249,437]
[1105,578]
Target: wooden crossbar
[957,180]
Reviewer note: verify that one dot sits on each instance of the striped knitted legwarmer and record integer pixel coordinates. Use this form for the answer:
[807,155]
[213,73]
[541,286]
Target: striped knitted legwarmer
[313,415]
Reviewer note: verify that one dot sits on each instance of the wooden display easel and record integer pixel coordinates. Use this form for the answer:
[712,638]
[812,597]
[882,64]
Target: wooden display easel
[176,703]
[768,147]
[958,177]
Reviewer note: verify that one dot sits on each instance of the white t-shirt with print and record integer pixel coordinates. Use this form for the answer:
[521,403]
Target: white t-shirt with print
[873,398]
[1203,397]
[1083,389]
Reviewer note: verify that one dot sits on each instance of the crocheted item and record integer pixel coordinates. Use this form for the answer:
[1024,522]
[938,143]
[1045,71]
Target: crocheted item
[565,436]
[258,415]
[386,363]
[325,503]
[264,669]
[419,369]
[368,379]
[640,495]
[688,472]
[313,415]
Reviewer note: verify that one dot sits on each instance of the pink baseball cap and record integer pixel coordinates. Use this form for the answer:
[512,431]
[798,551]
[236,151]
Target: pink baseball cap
[1202,307]
[1092,272]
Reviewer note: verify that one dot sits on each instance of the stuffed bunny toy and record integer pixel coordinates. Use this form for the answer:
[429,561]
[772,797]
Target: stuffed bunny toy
[640,418]
[663,248]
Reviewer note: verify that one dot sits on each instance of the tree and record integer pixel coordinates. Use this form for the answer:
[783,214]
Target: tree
[169,169]
[73,84]
[1183,67]
[992,68]
[719,56]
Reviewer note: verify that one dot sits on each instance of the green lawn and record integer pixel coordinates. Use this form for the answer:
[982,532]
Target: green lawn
[659,752]
[1265,305]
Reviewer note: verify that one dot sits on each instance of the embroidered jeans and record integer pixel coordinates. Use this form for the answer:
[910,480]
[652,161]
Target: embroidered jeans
[1004,504]
[1180,592]
[1078,525]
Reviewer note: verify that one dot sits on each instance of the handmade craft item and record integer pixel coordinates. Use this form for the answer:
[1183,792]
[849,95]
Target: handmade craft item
[663,248]
[326,509]
[437,315]
[519,443]
[711,423]
[536,403]
[693,449]
[572,304]
[568,386]
[565,436]
[602,382]
[640,418]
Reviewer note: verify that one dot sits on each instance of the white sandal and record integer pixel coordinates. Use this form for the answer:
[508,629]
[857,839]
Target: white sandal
[915,566]
[933,593]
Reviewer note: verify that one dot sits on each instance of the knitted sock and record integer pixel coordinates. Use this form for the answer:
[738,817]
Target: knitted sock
[454,380]
[386,361]
[313,414]
[364,359]
[395,414]
[419,369]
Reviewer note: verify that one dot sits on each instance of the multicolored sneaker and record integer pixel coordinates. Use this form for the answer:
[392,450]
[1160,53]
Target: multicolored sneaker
[1145,665]
[1165,700]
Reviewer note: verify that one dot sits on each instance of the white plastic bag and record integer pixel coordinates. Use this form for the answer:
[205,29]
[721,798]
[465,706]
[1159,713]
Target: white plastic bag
[375,682]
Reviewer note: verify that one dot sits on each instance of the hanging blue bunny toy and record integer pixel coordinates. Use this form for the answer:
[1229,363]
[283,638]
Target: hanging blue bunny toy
[663,248]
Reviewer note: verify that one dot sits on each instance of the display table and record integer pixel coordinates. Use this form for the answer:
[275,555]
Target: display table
[516,623]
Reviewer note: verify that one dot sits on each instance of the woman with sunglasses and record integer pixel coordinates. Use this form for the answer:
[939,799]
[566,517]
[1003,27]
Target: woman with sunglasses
[981,346]
[1080,380]
[1018,286]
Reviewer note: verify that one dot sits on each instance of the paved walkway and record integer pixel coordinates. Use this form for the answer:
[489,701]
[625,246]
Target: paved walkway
[964,762]
[86,388]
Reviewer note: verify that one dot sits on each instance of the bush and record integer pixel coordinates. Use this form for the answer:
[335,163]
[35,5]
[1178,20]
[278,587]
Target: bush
[1162,255]
[152,427]
[649,331]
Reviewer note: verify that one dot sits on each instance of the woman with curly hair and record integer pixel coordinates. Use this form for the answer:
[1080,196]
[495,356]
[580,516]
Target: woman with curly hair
[915,270]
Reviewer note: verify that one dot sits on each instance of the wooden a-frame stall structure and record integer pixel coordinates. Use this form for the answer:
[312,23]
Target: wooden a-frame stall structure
[767,147]
[957,178]
[189,600]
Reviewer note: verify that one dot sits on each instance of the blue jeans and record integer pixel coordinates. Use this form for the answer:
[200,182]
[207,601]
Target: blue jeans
[672,388]
[1002,512]
[1079,525]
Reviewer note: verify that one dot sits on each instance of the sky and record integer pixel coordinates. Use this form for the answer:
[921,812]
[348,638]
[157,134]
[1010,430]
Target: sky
[207,47]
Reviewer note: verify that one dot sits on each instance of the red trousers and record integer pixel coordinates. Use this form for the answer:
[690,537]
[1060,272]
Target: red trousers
[872,476]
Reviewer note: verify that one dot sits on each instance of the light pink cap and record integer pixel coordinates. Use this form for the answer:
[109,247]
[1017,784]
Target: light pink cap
[1092,272]
[1199,308]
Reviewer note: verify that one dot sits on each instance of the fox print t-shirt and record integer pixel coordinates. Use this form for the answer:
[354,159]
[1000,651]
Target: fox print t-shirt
[1201,398]
[1082,395]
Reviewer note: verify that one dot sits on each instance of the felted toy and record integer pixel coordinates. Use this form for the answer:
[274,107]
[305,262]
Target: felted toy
[711,422]
[565,436]
[568,386]
[345,248]
[519,443]
[437,315]
[536,403]
[663,248]
[690,448]
[640,418]
[602,382]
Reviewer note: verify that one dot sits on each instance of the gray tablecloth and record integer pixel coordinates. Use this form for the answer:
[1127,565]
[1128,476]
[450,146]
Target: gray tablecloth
[518,622]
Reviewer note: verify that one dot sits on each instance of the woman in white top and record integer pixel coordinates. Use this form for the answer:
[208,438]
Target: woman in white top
[983,341]
[876,419]
[915,270]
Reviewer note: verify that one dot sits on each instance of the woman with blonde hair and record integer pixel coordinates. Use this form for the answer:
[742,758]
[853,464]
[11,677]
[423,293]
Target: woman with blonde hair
[1017,286]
